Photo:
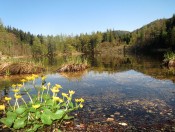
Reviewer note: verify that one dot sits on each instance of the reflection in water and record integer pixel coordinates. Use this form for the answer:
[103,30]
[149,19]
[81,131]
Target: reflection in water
[136,91]
[129,96]
[73,76]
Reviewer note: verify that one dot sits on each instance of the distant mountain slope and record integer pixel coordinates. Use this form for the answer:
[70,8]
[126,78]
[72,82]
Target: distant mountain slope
[159,34]
[9,43]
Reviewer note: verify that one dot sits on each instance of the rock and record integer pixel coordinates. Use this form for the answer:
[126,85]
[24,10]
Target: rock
[110,119]
[123,124]
[80,126]
[112,116]
[117,113]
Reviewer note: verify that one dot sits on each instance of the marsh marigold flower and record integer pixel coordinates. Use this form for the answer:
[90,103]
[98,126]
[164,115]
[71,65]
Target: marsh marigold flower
[43,78]
[81,100]
[23,80]
[48,84]
[44,87]
[17,96]
[2,107]
[32,78]
[28,78]
[36,106]
[58,86]
[19,85]
[65,95]
[13,86]
[81,105]
[61,100]
[71,92]
[15,90]
[35,76]
[55,90]
[8,98]
[56,98]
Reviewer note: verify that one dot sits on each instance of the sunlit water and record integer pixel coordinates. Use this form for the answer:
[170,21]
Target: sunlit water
[126,96]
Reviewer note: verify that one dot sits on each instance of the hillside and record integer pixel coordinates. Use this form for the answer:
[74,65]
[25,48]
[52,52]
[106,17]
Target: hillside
[10,45]
[159,34]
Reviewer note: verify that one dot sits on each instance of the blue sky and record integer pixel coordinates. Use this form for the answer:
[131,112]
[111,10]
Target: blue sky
[53,17]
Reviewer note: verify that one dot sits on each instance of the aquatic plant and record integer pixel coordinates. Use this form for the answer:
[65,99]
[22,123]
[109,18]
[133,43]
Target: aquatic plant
[169,56]
[43,108]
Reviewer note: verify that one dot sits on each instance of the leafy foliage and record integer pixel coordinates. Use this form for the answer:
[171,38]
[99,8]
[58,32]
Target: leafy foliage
[42,109]
[157,34]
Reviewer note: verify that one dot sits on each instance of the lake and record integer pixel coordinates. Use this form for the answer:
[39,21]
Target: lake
[121,92]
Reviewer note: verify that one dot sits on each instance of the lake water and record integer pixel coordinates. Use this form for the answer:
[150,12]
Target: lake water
[136,91]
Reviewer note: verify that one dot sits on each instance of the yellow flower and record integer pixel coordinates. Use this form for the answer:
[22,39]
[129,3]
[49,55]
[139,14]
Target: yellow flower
[36,106]
[15,90]
[58,86]
[65,95]
[61,100]
[55,90]
[2,107]
[35,76]
[8,98]
[28,78]
[77,100]
[81,100]
[44,87]
[48,84]
[69,98]
[71,92]
[43,78]
[23,80]
[81,106]
[13,86]
[17,96]
[56,98]
[32,78]
[19,85]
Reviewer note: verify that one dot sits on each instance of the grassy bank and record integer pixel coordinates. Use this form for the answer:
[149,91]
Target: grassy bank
[17,66]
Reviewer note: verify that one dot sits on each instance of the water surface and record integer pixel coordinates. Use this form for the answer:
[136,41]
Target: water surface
[136,91]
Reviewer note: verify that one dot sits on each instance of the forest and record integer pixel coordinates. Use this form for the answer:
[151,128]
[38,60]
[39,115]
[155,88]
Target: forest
[159,34]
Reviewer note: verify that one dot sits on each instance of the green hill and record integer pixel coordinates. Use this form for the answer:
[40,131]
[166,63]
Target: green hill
[10,44]
[159,34]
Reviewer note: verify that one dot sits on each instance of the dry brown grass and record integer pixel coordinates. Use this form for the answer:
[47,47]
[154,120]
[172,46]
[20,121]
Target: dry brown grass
[19,68]
[73,68]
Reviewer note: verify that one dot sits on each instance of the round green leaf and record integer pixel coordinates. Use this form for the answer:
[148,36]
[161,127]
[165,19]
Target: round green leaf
[46,119]
[19,123]
[20,110]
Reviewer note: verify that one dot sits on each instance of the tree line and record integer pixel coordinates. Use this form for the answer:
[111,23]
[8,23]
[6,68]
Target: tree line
[157,34]
[61,44]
